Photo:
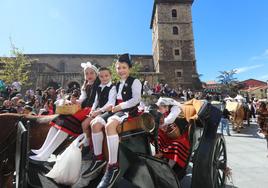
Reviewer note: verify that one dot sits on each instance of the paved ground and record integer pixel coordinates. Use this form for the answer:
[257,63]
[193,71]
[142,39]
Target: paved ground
[247,157]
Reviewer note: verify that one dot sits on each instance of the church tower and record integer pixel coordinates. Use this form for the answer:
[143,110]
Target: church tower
[173,43]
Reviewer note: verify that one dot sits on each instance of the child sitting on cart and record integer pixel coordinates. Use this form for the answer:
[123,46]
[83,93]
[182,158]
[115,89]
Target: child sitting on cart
[101,110]
[173,141]
[127,100]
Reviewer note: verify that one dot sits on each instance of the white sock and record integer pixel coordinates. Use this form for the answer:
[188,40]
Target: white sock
[113,143]
[51,133]
[97,139]
[52,146]
[86,143]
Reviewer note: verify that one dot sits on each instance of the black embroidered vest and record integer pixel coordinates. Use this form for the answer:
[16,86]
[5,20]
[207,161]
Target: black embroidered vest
[91,91]
[127,94]
[103,95]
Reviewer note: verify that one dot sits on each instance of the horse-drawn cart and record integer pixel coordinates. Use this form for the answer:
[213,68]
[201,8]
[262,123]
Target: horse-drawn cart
[139,168]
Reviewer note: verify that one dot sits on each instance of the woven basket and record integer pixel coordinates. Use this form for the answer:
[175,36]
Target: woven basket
[67,109]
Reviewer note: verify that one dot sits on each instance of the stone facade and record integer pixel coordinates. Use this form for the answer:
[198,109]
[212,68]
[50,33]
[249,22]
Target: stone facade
[65,69]
[173,43]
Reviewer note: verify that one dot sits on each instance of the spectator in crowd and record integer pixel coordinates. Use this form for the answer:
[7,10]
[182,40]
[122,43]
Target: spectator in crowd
[20,105]
[146,89]
[37,106]
[16,85]
[49,108]
[225,120]
[60,93]
[7,107]
[28,110]
[38,95]
[157,88]
[173,93]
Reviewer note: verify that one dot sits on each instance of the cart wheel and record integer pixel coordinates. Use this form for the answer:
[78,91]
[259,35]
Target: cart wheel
[210,164]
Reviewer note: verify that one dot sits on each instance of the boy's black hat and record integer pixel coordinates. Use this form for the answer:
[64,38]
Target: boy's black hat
[125,58]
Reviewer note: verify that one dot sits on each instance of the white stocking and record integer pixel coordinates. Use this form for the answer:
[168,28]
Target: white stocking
[97,139]
[52,146]
[51,133]
[113,143]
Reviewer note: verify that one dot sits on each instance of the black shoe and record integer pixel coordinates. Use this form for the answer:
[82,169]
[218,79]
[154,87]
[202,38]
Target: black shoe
[94,167]
[31,153]
[39,163]
[110,176]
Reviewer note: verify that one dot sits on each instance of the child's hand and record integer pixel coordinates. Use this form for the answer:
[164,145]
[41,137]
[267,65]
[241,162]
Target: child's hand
[116,108]
[163,127]
[95,113]
[109,108]
[90,114]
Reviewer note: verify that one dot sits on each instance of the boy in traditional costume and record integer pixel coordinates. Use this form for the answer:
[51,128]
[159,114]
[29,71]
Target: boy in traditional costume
[104,101]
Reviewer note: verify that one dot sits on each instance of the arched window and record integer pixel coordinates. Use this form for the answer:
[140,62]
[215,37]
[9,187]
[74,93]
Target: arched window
[175,30]
[174,13]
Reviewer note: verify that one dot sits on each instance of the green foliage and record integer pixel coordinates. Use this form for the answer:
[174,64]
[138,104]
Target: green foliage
[16,68]
[229,82]
[227,77]
[134,71]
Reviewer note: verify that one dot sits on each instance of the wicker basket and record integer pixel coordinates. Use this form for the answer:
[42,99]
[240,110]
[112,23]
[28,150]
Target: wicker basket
[67,109]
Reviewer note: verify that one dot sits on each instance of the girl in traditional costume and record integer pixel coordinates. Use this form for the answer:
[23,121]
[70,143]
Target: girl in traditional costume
[175,149]
[65,125]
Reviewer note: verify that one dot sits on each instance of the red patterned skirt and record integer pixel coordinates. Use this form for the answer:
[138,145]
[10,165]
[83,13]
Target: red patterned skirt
[177,150]
[71,124]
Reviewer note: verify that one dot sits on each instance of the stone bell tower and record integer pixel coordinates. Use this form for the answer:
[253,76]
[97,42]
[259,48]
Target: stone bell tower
[173,43]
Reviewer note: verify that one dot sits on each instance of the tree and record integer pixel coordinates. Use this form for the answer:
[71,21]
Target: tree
[16,68]
[228,81]
[134,71]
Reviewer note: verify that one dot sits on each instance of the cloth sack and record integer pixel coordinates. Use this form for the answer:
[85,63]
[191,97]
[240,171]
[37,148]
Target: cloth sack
[67,168]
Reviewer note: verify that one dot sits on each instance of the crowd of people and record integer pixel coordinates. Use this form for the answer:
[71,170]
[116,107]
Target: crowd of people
[34,102]
[164,90]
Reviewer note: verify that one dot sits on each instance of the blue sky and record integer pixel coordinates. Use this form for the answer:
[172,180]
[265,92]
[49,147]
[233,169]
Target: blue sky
[229,34]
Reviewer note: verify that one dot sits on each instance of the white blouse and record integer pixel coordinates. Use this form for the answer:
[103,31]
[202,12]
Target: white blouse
[174,113]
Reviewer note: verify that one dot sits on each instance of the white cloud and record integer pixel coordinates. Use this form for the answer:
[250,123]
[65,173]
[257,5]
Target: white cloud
[263,56]
[246,69]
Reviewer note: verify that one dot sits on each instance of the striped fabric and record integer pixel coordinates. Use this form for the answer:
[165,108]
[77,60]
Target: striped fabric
[71,124]
[177,150]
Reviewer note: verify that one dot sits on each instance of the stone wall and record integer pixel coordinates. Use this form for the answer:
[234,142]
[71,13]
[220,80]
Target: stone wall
[71,63]
[64,68]
[174,54]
